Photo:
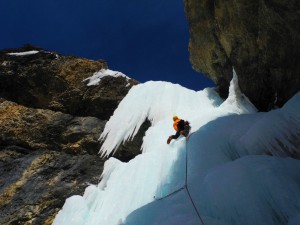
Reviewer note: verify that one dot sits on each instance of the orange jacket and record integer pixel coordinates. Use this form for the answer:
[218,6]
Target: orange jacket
[175,124]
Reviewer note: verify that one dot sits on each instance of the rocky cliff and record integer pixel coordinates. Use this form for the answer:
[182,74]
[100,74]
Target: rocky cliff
[260,39]
[48,80]
[50,122]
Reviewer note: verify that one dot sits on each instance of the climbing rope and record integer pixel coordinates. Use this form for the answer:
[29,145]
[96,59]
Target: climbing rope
[172,193]
[186,182]
[185,185]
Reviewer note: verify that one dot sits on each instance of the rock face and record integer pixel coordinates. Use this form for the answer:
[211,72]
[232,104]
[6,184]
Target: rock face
[48,80]
[259,38]
[35,184]
[50,122]
[38,129]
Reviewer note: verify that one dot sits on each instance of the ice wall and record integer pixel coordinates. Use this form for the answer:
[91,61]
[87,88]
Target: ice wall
[231,147]
[240,171]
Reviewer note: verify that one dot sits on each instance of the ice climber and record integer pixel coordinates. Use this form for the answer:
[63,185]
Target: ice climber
[182,127]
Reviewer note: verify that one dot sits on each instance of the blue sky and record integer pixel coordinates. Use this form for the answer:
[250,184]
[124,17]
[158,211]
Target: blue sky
[145,39]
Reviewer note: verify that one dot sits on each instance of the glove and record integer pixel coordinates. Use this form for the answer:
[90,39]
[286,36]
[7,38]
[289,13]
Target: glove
[169,140]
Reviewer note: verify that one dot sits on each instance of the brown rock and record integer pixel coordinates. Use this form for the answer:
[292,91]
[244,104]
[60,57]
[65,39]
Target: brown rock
[48,80]
[50,122]
[38,129]
[260,39]
[34,185]
[46,157]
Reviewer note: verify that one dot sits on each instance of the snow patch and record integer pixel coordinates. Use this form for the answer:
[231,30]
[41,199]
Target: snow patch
[96,78]
[23,53]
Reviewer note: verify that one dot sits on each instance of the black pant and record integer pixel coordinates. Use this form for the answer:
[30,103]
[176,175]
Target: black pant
[186,129]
